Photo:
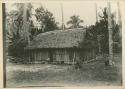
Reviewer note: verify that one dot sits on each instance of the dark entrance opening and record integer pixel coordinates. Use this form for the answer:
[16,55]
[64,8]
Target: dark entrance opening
[51,56]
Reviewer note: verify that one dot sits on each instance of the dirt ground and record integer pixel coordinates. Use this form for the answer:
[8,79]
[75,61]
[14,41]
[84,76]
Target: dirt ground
[42,75]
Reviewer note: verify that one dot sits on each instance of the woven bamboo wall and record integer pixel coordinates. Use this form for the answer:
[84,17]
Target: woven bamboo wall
[62,55]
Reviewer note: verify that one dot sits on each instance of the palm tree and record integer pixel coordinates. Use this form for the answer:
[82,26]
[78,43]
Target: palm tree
[75,21]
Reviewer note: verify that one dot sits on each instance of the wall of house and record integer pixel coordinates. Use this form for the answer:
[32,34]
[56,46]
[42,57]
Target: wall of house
[62,55]
[38,56]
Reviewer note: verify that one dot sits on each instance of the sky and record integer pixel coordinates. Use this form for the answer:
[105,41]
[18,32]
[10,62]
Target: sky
[85,9]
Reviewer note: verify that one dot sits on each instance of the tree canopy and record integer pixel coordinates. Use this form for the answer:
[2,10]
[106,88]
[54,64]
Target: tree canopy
[99,31]
[46,18]
[75,22]
[15,30]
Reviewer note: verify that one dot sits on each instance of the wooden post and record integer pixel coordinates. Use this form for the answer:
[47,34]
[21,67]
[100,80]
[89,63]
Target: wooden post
[74,58]
[34,56]
[29,56]
[4,42]
[110,35]
[40,56]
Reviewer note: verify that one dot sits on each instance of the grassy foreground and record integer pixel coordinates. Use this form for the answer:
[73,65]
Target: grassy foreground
[91,74]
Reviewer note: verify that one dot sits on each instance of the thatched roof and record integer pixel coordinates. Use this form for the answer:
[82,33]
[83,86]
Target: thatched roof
[58,39]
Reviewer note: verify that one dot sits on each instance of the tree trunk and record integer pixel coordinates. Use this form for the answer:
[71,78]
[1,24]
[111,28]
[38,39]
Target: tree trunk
[119,23]
[110,36]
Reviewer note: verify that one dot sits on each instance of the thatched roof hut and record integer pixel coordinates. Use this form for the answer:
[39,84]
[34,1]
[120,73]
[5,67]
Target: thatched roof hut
[61,45]
[58,39]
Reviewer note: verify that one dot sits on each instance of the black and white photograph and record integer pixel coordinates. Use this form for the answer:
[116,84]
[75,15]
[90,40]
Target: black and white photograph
[62,44]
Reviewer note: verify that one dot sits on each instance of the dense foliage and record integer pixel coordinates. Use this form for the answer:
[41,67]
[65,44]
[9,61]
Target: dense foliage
[17,33]
[46,18]
[99,32]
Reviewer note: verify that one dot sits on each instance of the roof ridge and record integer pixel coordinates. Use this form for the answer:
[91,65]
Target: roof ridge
[56,31]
